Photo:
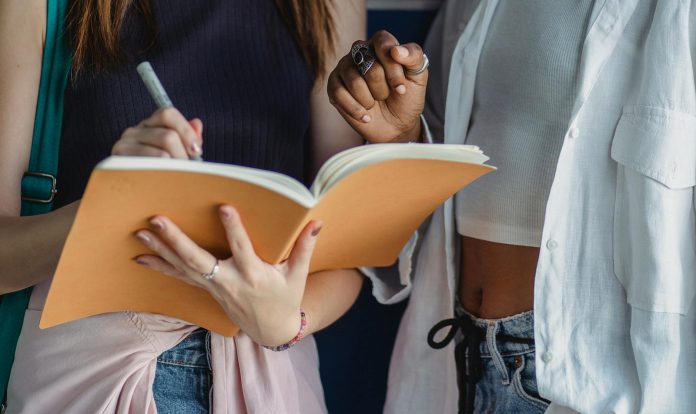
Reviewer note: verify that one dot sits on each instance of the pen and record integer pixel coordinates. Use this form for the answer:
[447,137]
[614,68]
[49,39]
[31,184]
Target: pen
[159,95]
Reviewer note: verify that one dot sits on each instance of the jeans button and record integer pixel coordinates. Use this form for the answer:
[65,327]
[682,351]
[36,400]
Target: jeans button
[518,361]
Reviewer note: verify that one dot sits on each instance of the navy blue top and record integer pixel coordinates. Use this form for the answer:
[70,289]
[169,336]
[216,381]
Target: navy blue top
[232,63]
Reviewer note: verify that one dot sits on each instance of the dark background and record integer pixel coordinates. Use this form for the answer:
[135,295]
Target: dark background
[355,351]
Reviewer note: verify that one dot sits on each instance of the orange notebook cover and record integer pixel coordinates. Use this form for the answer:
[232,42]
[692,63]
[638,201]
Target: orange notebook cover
[371,199]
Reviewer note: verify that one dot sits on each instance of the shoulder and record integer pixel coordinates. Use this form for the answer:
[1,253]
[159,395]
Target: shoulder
[351,20]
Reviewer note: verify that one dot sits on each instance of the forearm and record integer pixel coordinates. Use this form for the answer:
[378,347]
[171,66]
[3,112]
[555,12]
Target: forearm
[31,247]
[328,295]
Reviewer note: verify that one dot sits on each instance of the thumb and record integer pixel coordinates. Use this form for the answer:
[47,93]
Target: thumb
[412,58]
[197,126]
[301,255]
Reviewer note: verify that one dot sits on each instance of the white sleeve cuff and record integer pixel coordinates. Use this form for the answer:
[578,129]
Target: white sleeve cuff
[426,134]
[393,284]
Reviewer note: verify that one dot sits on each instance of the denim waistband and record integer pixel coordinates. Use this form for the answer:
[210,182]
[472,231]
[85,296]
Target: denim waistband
[193,351]
[517,326]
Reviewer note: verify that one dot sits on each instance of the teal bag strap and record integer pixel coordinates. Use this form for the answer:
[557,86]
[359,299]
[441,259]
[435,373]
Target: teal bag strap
[39,183]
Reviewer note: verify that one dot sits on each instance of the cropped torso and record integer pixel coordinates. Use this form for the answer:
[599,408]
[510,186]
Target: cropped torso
[525,89]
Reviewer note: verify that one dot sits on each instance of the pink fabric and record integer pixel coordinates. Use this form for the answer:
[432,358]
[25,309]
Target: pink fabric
[106,364]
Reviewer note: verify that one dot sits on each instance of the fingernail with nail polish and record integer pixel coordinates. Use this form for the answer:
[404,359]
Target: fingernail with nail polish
[401,89]
[158,224]
[366,118]
[143,237]
[139,261]
[196,148]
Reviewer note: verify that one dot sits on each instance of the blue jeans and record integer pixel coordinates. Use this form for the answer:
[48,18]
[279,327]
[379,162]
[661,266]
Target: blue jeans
[183,380]
[495,362]
[507,377]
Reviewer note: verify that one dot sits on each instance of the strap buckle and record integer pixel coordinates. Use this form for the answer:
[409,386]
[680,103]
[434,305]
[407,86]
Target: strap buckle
[52,192]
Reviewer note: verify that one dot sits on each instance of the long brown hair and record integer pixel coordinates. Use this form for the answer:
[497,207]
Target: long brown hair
[93,28]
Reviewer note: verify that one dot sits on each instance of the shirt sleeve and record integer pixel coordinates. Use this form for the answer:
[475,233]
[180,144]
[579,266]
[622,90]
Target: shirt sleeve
[393,284]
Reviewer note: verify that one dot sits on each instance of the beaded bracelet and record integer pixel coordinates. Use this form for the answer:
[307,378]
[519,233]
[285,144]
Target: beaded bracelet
[296,339]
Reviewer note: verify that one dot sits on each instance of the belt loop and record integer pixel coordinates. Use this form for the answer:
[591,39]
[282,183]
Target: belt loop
[491,332]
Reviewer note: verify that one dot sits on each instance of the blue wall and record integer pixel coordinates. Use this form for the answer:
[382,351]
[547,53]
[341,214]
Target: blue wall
[355,351]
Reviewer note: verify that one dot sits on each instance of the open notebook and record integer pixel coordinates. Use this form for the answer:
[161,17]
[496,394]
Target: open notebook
[371,199]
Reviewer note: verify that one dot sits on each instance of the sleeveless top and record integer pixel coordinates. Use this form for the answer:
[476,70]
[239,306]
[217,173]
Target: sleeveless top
[232,63]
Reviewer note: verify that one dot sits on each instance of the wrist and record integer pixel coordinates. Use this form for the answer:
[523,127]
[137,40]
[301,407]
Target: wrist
[412,135]
[300,327]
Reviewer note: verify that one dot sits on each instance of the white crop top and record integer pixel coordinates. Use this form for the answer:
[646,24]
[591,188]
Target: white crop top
[522,105]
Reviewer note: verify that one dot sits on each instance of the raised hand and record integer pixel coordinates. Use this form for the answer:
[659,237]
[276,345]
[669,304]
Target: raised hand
[263,299]
[384,105]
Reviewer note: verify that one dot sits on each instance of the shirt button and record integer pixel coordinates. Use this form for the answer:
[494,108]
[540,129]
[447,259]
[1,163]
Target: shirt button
[547,357]
[551,244]
[574,132]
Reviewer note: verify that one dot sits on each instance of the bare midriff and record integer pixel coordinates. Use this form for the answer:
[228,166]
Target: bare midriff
[496,280]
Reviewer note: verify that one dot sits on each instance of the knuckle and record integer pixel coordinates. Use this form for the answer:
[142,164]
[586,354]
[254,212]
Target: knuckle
[346,61]
[130,131]
[355,111]
[253,281]
[355,83]
[168,112]
[347,72]
[169,138]
[381,34]
[383,51]
[117,148]
[368,101]
[375,74]
[415,48]
[191,260]
[380,94]
[333,87]
[382,42]
[168,115]
[238,245]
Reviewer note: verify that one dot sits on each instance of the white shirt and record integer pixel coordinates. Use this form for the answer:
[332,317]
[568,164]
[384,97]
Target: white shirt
[614,320]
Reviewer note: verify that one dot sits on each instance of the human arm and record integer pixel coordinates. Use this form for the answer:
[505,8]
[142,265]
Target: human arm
[329,294]
[263,299]
[30,245]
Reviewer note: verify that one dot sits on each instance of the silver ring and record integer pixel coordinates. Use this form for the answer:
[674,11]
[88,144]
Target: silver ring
[363,56]
[211,275]
[423,68]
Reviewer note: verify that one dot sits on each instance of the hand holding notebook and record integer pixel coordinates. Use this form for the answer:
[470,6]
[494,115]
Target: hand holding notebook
[370,199]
